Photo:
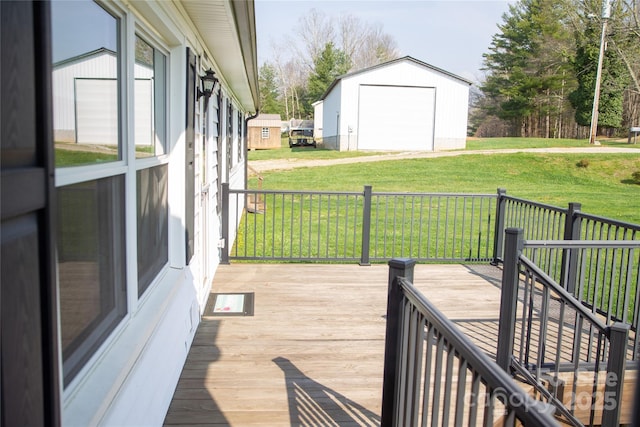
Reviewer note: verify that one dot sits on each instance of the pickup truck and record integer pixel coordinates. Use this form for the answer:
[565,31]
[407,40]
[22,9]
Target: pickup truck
[302,135]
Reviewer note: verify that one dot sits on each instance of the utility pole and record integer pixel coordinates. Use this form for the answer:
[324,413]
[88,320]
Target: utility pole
[606,13]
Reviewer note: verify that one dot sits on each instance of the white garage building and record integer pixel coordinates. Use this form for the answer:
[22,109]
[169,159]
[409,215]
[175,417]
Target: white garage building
[401,105]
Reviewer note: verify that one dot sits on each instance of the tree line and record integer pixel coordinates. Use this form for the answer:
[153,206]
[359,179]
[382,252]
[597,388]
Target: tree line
[320,49]
[540,68]
[541,71]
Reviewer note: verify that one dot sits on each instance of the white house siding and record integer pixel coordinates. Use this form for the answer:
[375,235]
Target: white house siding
[317,121]
[331,120]
[452,110]
[131,379]
[451,105]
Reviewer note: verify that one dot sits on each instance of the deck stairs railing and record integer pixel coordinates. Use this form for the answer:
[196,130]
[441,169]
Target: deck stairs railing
[576,346]
[434,375]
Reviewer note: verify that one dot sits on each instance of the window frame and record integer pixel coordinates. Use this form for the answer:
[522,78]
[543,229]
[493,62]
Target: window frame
[67,173]
[129,28]
[97,336]
[142,163]
[159,47]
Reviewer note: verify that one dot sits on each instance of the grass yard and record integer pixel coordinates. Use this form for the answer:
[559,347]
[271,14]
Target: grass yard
[498,143]
[74,158]
[473,144]
[604,187]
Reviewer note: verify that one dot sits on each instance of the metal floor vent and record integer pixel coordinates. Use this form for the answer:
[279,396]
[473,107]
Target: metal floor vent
[234,304]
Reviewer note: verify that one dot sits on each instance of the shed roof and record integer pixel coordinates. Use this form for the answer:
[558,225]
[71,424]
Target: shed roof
[266,120]
[393,61]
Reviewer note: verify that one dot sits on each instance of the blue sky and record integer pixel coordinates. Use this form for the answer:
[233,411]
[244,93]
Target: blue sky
[449,34]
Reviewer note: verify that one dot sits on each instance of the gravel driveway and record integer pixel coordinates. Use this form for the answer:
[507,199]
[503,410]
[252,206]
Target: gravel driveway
[259,166]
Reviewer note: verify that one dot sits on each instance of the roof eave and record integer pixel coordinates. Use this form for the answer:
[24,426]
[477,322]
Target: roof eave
[228,30]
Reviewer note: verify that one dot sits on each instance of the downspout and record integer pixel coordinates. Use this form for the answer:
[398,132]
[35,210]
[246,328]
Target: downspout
[246,147]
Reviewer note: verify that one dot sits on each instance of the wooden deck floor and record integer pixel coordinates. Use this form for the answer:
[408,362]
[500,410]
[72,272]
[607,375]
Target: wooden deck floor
[312,354]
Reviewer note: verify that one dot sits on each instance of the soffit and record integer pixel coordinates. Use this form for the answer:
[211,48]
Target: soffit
[228,31]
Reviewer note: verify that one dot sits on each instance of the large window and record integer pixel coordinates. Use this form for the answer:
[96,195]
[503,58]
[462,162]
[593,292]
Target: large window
[86,84]
[95,154]
[87,87]
[91,267]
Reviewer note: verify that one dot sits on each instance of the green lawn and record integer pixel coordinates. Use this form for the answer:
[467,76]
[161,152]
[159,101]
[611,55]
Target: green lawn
[604,187]
[74,158]
[497,143]
[472,144]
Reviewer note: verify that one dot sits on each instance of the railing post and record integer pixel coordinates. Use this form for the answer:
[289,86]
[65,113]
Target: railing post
[509,296]
[616,365]
[498,235]
[398,267]
[569,268]
[366,226]
[224,258]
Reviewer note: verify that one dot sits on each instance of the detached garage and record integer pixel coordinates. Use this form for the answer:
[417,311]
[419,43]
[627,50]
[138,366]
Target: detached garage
[401,105]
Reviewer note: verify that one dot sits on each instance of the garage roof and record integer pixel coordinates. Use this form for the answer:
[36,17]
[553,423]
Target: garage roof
[384,64]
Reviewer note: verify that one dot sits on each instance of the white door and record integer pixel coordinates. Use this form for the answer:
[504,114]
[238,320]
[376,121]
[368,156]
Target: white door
[396,118]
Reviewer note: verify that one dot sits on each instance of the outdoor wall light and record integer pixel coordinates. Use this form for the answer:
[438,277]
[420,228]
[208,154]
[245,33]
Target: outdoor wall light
[209,81]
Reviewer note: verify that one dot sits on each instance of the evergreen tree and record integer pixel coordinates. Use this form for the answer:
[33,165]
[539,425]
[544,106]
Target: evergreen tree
[614,79]
[269,94]
[529,68]
[327,66]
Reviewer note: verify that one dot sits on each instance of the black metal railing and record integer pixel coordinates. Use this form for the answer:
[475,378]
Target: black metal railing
[540,221]
[570,354]
[369,227]
[603,275]
[434,375]
[360,226]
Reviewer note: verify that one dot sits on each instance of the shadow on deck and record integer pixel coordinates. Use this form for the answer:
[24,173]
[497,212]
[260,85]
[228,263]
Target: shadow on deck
[313,352]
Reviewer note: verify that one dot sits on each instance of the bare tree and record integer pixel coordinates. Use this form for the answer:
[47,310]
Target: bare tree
[378,47]
[365,45]
[352,33]
[294,58]
[283,82]
[315,31]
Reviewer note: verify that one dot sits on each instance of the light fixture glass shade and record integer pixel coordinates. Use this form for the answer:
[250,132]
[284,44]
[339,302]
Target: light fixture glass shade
[209,81]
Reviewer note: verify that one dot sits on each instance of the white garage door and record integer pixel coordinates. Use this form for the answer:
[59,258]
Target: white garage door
[396,118]
[97,111]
